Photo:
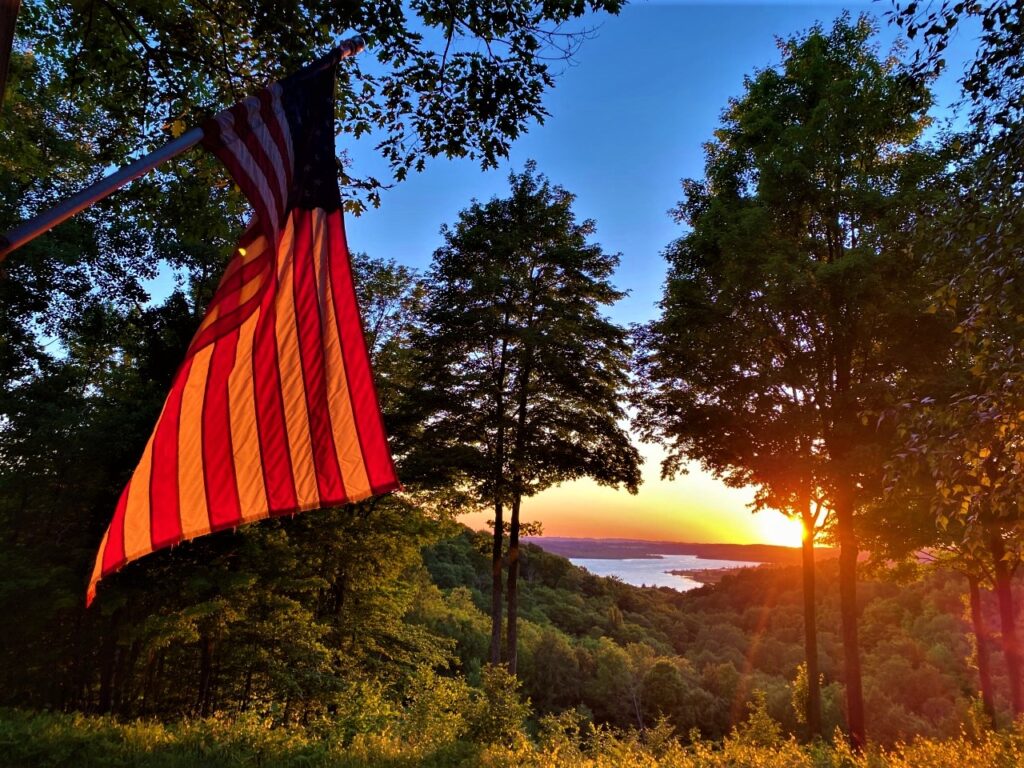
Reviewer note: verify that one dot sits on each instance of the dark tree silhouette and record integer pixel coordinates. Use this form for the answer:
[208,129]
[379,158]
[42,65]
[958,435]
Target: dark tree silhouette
[522,374]
[791,308]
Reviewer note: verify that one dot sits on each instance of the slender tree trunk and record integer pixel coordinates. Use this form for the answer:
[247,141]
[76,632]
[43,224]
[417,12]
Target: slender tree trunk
[106,675]
[518,455]
[988,700]
[1007,619]
[848,609]
[496,553]
[126,661]
[247,691]
[108,651]
[74,693]
[205,675]
[158,687]
[147,683]
[499,521]
[638,711]
[813,703]
[8,20]
[340,584]
[513,587]
[844,419]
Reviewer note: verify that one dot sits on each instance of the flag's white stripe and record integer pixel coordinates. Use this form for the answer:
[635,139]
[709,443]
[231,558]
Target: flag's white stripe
[282,120]
[246,172]
[262,132]
[248,164]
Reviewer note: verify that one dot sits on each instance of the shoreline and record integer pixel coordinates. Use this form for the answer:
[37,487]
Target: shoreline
[708,575]
[627,549]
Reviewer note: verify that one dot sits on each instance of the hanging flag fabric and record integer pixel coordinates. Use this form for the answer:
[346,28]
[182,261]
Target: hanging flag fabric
[273,411]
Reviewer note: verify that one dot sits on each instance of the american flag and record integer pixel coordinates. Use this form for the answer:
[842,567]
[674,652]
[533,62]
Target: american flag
[274,410]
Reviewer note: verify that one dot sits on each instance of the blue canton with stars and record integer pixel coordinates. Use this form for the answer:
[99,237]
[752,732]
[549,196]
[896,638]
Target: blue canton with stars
[308,100]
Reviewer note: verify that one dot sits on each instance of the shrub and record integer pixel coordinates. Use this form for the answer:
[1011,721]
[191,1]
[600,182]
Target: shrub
[499,715]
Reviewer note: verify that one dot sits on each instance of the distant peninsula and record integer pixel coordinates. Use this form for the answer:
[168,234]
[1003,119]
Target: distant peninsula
[623,549]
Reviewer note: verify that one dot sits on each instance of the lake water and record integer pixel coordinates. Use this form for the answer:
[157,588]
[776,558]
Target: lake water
[651,572]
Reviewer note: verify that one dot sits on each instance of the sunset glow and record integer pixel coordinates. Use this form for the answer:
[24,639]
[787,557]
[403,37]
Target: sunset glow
[692,508]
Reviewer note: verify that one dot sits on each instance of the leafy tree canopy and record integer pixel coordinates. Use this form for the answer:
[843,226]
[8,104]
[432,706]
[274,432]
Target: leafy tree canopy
[791,302]
[522,373]
[462,78]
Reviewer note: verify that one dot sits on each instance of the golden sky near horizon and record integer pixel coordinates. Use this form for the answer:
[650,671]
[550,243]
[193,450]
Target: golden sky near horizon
[691,508]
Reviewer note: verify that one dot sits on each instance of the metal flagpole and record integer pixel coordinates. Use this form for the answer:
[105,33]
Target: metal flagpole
[44,222]
[31,229]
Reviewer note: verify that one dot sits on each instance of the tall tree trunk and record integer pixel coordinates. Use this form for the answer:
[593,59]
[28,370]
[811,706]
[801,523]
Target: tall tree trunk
[512,648]
[158,682]
[247,691]
[147,683]
[813,703]
[74,694]
[108,651]
[637,710]
[8,20]
[496,553]
[499,521]
[988,700]
[518,455]
[126,660]
[1007,619]
[848,609]
[205,675]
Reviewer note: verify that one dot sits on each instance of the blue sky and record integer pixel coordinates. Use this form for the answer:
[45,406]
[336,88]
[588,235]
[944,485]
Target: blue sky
[627,121]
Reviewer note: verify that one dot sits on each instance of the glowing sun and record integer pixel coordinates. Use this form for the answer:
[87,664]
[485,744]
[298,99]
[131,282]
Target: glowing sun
[775,528]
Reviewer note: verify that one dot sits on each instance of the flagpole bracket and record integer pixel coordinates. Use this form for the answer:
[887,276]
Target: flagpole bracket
[350,47]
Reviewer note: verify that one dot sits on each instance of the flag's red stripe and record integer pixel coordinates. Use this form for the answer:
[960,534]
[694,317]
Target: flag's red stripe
[240,261]
[369,423]
[164,508]
[232,311]
[225,323]
[222,502]
[237,278]
[113,553]
[310,334]
[227,304]
[278,476]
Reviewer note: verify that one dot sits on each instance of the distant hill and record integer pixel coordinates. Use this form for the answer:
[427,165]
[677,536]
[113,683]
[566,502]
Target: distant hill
[621,549]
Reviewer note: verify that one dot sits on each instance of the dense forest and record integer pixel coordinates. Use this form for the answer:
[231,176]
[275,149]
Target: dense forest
[627,656]
[600,663]
[839,330]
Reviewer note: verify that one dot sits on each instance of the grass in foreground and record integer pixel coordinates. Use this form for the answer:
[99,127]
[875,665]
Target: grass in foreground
[31,739]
